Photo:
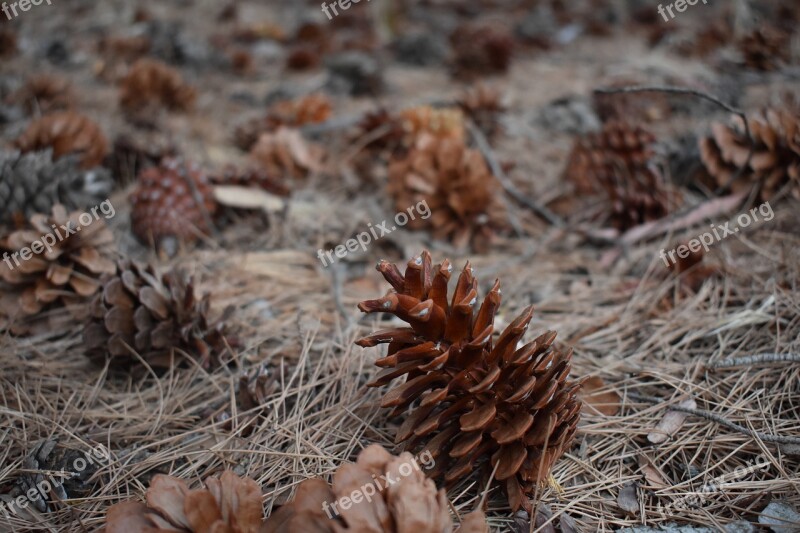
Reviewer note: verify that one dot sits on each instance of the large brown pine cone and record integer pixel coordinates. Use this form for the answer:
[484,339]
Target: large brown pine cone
[66,132]
[775,162]
[150,84]
[410,504]
[619,163]
[228,504]
[457,186]
[81,251]
[172,201]
[476,399]
[140,311]
[481,50]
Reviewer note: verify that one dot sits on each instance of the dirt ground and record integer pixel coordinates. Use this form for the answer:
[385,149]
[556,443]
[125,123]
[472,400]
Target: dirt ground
[652,339]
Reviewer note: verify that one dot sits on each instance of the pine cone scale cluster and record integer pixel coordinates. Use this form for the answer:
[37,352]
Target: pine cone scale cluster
[476,398]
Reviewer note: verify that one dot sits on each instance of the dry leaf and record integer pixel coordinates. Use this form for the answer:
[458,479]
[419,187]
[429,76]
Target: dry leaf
[628,499]
[247,198]
[598,398]
[652,474]
[671,423]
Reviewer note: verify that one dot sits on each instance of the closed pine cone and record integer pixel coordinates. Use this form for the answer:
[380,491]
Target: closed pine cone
[285,154]
[411,504]
[481,50]
[68,273]
[151,83]
[775,162]
[475,399]
[228,504]
[152,315]
[33,183]
[165,205]
[66,132]
[45,93]
[619,163]
[457,185]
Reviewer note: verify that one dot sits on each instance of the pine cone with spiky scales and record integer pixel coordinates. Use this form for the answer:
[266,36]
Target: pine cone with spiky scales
[173,201]
[619,162]
[457,186]
[66,132]
[228,504]
[33,183]
[411,503]
[484,105]
[66,273]
[155,316]
[775,162]
[151,84]
[475,400]
[481,50]
[44,93]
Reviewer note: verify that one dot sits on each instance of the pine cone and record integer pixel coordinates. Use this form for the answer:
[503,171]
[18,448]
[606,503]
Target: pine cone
[475,400]
[172,201]
[311,109]
[34,183]
[481,50]
[45,93]
[765,49]
[775,162]
[228,504]
[618,162]
[138,310]
[484,105]
[411,503]
[69,271]
[445,123]
[150,84]
[286,154]
[66,132]
[457,186]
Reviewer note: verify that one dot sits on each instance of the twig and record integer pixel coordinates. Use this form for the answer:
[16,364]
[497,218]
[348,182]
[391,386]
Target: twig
[511,190]
[751,360]
[719,420]
[699,94]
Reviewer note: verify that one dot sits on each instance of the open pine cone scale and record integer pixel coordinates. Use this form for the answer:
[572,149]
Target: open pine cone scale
[473,395]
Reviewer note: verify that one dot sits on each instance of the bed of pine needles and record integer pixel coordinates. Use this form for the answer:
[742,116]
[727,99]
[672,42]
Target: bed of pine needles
[631,322]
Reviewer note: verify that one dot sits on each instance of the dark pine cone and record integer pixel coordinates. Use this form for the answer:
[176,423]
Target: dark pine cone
[476,399]
[155,317]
